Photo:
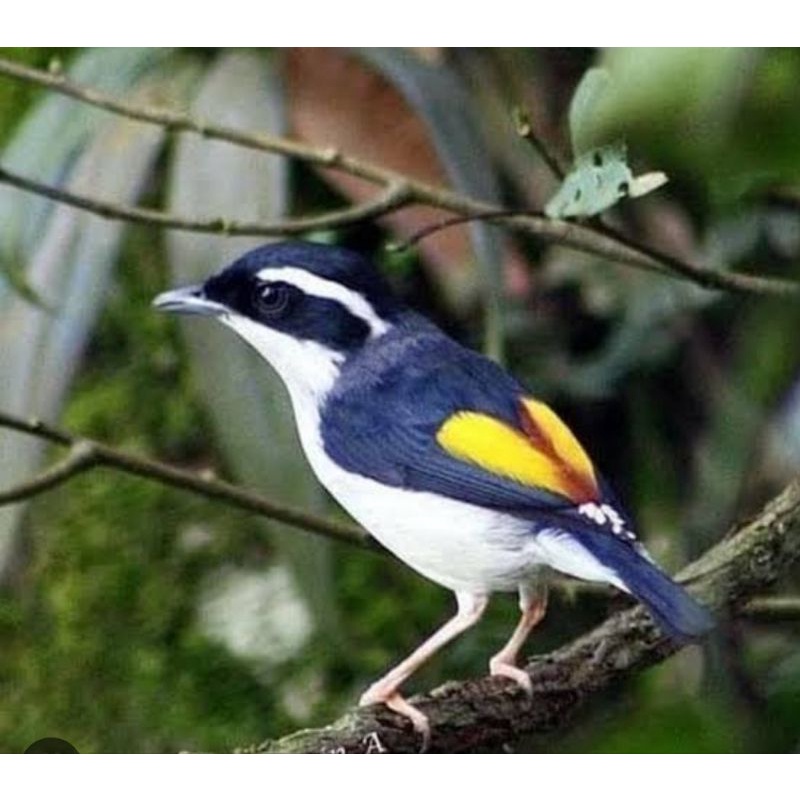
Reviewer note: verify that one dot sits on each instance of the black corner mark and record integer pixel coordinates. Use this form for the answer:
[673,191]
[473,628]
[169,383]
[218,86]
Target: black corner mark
[50,745]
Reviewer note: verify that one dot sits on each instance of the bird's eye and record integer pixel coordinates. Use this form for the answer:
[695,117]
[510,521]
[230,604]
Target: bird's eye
[271,299]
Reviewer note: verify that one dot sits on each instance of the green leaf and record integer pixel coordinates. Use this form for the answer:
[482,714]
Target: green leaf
[599,180]
[591,93]
[726,118]
[672,82]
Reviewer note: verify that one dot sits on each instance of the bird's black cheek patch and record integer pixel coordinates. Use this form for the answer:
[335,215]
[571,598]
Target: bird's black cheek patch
[324,321]
[230,290]
[304,316]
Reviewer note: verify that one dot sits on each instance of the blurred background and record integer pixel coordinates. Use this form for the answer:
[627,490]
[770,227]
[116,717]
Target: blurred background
[138,618]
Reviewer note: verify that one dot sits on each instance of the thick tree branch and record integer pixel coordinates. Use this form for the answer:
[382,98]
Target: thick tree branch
[584,237]
[490,711]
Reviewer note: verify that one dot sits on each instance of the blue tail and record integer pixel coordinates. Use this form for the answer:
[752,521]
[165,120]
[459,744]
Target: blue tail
[675,611]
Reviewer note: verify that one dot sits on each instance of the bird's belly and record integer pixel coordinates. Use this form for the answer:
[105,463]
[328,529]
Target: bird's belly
[458,545]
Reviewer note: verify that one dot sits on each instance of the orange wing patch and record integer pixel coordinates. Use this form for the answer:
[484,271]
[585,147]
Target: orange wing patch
[544,454]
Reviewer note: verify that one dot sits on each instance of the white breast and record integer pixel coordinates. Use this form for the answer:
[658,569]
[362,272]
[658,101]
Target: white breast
[458,545]
[455,544]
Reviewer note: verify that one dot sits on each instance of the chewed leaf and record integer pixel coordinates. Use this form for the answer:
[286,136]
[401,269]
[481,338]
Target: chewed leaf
[600,179]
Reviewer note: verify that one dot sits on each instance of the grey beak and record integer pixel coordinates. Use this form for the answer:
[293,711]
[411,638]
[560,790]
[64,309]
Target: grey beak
[188,300]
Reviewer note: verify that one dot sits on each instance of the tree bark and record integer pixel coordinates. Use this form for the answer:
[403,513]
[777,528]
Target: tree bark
[489,712]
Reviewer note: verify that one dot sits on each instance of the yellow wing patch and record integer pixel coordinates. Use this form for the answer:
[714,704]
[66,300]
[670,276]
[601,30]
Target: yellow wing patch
[542,454]
[550,432]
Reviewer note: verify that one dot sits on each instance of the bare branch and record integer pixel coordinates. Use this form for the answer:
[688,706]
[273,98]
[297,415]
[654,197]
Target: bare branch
[525,130]
[394,197]
[451,222]
[85,454]
[81,457]
[769,608]
[492,711]
[585,237]
[773,609]
[178,122]
[615,246]
[89,454]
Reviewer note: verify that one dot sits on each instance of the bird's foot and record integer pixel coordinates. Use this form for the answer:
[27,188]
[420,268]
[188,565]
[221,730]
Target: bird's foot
[498,666]
[394,700]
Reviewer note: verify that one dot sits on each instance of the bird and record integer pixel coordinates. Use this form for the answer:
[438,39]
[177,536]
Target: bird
[443,456]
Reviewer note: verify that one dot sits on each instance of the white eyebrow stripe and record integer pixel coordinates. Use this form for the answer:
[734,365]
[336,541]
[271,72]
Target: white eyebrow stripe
[330,290]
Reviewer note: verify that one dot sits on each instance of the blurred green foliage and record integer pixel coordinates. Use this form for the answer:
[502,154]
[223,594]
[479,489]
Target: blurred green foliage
[99,640]
[16,97]
[672,389]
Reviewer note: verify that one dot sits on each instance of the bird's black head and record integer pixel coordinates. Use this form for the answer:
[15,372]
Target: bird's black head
[315,292]
[295,301]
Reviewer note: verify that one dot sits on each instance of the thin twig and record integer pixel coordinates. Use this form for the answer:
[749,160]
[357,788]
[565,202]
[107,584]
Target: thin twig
[86,454]
[579,236]
[394,197]
[525,130]
[105,456]
[81,457]
[451,222]
[769,608]
[628,252]
[773,609]
[179,122]
[709,279]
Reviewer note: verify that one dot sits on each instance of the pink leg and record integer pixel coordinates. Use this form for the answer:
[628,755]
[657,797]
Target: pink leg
[470,610]
[533,606]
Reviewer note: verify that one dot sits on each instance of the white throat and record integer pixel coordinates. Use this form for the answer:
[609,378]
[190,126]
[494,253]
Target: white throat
[308,369]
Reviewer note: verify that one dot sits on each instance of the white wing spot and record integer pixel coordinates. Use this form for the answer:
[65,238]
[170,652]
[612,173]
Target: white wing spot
[608,517]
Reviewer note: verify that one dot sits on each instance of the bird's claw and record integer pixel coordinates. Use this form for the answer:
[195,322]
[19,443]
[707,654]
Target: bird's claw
[514,673]
[399,705]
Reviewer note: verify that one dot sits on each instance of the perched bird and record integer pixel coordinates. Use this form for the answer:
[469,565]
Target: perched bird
[438,452]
